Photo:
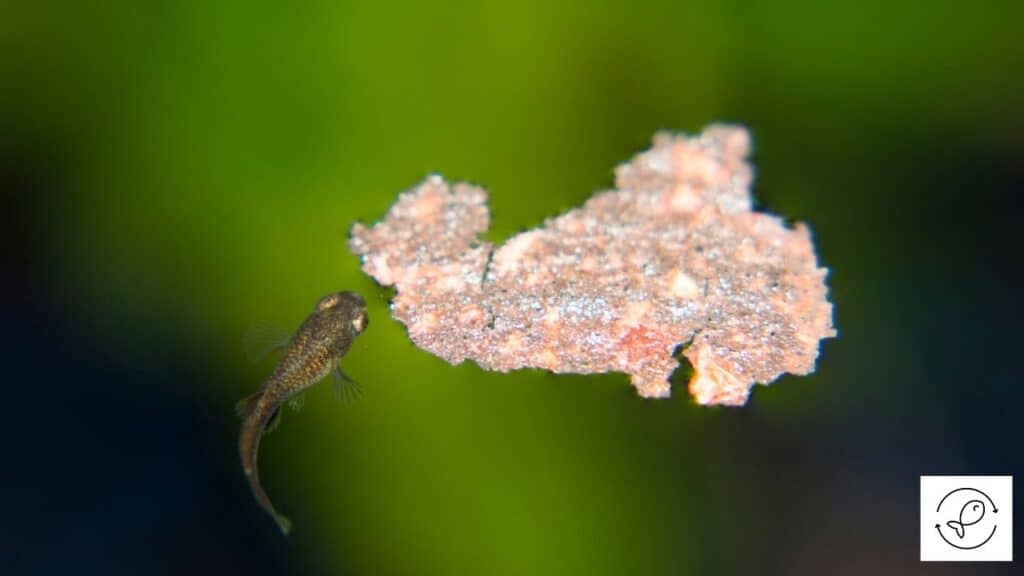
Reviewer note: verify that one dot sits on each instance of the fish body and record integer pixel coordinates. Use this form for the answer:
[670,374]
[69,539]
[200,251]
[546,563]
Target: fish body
[310,355]
[972,513]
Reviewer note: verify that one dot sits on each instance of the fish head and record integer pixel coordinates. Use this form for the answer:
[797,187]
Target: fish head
[344,313]
[972,512]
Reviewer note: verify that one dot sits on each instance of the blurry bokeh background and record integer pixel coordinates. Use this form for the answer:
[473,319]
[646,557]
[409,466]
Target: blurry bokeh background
[171,172]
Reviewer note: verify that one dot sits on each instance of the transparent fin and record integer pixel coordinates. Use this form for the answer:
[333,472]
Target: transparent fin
[297,401]
[244,406]
[346,389]
[275,421]
[261,339]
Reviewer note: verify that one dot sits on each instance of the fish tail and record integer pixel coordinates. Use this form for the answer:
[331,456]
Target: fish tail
[283,523]
[261,496]
[957,527]
[256,419]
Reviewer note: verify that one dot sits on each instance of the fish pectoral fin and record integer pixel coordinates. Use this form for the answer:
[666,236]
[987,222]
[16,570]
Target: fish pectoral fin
[346,389]
[297,401]
[261,339]
[274,422]
[957,527]
[245,405]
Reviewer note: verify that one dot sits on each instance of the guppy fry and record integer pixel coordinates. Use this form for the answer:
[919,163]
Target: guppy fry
[314,352]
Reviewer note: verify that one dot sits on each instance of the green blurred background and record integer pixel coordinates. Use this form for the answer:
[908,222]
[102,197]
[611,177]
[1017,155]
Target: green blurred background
[174,171]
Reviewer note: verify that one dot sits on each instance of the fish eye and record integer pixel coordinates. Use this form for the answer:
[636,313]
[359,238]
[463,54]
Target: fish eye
[360,322]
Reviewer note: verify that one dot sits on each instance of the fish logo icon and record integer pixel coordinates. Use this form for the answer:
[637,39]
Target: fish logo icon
[966,518]
[968,530]
[972,513]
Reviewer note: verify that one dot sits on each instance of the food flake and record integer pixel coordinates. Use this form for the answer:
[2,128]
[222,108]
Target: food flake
[672,257]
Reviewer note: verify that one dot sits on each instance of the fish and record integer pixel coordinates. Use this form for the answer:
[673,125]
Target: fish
[972,513]
[311,354]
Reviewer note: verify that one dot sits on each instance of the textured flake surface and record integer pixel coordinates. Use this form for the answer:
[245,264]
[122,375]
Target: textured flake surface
[673,256]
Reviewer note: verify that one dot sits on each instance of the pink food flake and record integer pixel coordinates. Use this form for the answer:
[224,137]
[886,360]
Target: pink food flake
[641,342]
[673,256]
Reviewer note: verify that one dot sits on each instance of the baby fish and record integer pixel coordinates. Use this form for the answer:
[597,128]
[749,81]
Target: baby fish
[311,354]
[972,513]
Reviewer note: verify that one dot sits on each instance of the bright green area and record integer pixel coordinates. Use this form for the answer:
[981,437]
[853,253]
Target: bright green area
[216,155]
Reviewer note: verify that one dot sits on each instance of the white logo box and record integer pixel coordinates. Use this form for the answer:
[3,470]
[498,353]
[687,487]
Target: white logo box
[966,518]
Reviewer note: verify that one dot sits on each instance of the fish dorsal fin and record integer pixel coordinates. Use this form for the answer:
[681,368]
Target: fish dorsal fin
[261,339]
